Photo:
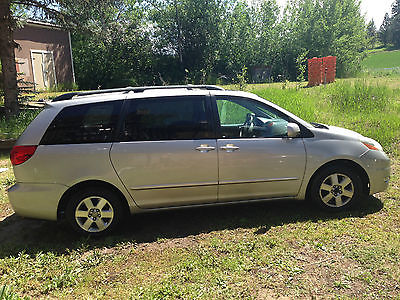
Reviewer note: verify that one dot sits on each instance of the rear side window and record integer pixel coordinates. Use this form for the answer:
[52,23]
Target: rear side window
[167,118]
[86,123]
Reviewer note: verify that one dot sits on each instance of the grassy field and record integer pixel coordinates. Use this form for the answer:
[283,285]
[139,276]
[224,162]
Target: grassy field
[259,251]
[382,59]
[369,106]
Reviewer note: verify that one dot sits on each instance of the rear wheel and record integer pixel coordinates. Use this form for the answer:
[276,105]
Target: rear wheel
[94,211]
[336,188]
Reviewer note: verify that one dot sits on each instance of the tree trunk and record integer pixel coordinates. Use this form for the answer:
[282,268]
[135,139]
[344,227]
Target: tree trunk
[7,56]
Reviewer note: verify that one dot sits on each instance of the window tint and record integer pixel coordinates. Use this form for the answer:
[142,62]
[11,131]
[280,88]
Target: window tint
[167,118]
[86,123]
[248,118]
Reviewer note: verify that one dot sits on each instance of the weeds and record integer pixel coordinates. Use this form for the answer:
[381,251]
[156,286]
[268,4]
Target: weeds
[370,109]
[359,96]
[8,294]
[14,126]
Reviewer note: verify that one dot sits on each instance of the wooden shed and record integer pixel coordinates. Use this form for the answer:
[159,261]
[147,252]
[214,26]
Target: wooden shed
[44,56]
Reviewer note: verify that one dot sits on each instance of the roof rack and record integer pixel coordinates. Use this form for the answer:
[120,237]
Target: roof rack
[141,89]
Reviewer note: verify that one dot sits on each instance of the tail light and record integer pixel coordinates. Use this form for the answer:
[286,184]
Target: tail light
[20,154]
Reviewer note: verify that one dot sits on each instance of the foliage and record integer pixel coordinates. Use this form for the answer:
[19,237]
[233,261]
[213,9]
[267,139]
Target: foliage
[384,30]
[389,32]
[12,127]
[395,23]
[372,33]
[130,42]
[242,79]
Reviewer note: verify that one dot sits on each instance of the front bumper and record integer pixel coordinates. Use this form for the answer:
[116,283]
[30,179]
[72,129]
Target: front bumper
[36,200]
[377,166]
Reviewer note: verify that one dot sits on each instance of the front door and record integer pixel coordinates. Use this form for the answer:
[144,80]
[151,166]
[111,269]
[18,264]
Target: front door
[256,158]
[167,155]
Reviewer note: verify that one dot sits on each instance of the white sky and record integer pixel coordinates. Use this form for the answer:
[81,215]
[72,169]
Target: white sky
[373,9]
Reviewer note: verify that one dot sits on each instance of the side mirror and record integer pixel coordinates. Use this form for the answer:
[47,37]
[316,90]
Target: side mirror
[293,130]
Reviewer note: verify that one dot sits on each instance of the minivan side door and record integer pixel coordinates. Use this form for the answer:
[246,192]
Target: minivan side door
[166,154]
[256,158]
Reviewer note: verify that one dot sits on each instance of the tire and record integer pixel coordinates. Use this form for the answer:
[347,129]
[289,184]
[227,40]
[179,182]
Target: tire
[94,211]
[336,188]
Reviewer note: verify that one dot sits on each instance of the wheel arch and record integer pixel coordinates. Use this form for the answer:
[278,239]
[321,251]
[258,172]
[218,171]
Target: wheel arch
[88,183]
[343,162]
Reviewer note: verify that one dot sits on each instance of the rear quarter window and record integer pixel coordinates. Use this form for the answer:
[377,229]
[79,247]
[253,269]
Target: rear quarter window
[85,123]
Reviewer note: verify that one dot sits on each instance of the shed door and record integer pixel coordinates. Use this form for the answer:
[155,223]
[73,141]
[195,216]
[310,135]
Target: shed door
[43,69]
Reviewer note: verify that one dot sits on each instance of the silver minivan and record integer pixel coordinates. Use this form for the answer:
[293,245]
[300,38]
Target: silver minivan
[95,157]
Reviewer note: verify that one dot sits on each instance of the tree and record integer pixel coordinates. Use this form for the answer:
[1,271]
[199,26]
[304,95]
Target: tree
[7,57]
[384,31]
[372,33]
[321,28]
[185,35]
[395,24]
[116,50]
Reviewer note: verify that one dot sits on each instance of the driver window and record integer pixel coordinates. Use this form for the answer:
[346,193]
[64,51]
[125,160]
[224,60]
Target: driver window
[231,113]
[247,118]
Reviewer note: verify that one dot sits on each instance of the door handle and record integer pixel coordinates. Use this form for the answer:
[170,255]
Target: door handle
[205,148]
[229,148]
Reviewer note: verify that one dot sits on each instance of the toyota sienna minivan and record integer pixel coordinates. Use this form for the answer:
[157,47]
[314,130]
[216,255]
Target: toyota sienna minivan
[94,157]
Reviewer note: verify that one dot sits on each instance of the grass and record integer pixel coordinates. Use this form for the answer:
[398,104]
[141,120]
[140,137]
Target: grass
[234,252]
[382,63]
[259,251]
[12,128]
[372,109]
[382,59]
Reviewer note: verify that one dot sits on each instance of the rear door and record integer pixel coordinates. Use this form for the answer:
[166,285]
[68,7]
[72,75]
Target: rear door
[167,152]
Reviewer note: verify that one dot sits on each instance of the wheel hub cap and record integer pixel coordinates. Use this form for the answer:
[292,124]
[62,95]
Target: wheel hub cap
[336,190]
[94,214]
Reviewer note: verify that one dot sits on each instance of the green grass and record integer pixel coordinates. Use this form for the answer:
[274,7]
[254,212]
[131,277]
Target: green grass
[13,127]
[382,59]
[360,105]
[235,252]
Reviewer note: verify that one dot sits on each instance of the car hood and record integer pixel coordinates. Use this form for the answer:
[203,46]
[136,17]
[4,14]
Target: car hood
[339,133]
[345,132]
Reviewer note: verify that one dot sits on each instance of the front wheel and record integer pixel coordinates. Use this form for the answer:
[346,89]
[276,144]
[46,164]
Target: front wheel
[94,211]
[336,188]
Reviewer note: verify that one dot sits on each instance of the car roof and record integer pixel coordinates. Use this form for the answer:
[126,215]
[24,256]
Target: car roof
[144,91]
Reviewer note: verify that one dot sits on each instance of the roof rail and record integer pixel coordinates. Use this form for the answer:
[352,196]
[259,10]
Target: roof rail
[69,96]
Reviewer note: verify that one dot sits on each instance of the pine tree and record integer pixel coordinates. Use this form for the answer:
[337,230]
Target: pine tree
[384,30]
[371,32]
[395,24]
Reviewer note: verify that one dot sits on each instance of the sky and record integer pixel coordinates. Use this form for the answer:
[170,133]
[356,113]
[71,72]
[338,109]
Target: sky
[373,9]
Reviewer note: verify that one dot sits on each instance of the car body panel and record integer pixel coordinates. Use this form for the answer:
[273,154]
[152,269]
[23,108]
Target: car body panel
[68,165]
[167,173]
[260,168]
[36,200]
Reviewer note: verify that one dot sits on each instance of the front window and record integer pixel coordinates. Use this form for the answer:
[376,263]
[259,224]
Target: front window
[247,118]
